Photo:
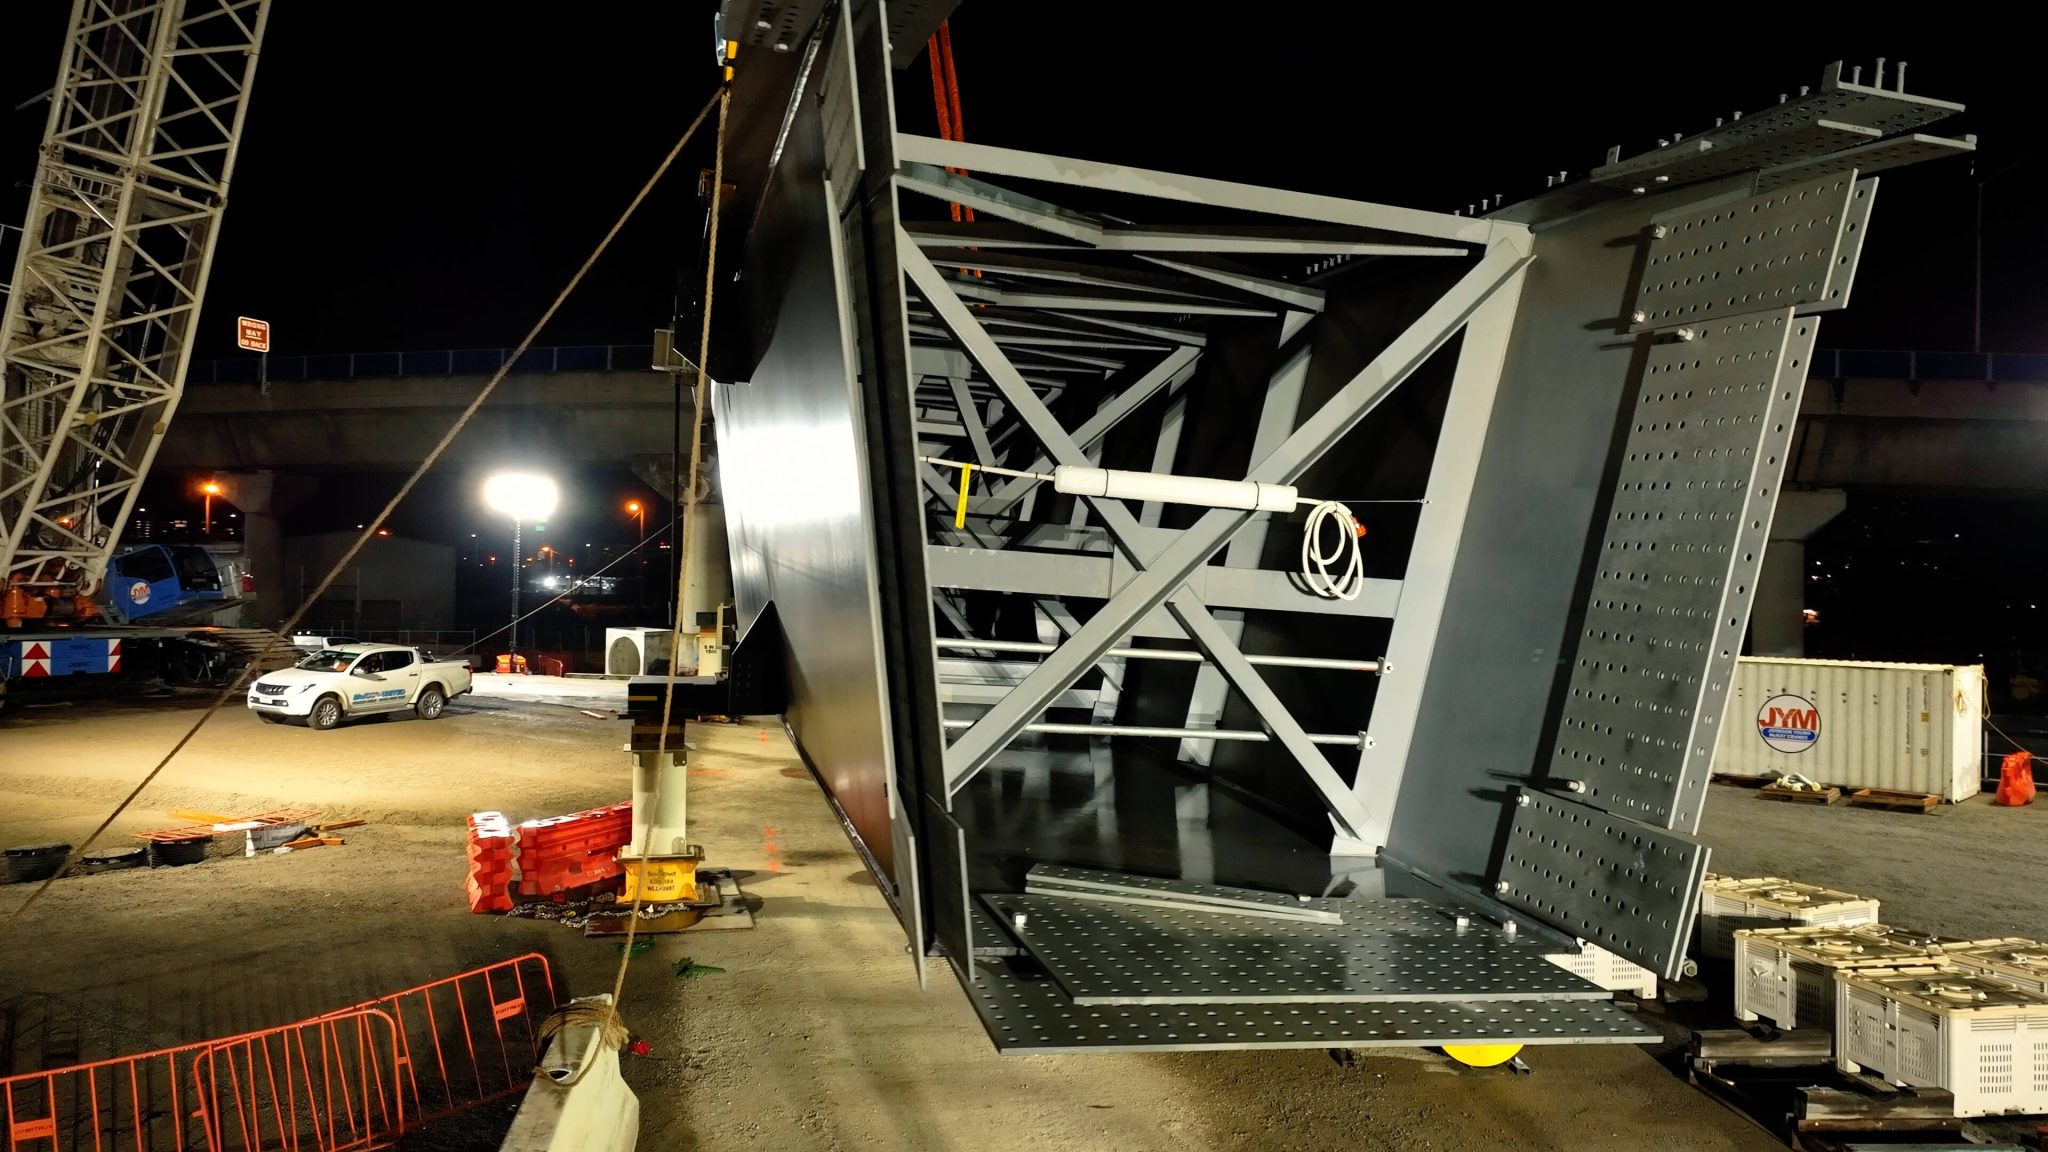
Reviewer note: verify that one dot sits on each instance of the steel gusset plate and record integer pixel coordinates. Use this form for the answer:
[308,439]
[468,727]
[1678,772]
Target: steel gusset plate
[1677,567]
[1630,888]
[1030,1015]
[1385,951]
[1777,250]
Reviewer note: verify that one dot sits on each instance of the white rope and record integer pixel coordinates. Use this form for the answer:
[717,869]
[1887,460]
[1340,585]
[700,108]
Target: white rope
[1315,562]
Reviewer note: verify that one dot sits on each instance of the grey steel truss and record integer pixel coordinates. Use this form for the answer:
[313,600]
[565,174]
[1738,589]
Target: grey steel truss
[1562,423]
[124,211]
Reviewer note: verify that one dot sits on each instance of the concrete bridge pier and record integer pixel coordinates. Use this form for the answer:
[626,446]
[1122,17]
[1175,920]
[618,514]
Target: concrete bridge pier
[266,498]
[1777,622]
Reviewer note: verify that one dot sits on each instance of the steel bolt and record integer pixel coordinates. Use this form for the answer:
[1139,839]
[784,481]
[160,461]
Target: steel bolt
[1691,967]
[1018,919]
[1639,316]
[1660,231]
[1462,921]
[1639,190]
[1521,801]
[1502,887]
[1508,928]
[1575,785]
[1687,334]
[1303,897]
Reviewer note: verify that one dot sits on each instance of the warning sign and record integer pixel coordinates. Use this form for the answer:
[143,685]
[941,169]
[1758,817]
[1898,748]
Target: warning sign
[252,334]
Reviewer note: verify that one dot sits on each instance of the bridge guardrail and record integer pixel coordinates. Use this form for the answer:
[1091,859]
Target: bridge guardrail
[438,362]
[1828,364]
[1887,364]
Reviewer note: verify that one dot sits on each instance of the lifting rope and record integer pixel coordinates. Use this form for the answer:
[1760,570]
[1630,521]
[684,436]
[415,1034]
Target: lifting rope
[690,490]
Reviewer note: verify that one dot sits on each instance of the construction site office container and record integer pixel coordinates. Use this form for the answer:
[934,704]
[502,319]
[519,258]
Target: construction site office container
[1902,727]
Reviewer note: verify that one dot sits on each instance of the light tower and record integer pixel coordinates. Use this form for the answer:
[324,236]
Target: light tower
[523,496]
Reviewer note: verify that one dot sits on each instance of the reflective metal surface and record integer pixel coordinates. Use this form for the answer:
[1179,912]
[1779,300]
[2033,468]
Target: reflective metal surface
[1384,951]
[791,468]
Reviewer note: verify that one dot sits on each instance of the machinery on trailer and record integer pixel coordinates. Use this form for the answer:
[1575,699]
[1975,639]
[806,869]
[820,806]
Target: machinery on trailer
[125,206]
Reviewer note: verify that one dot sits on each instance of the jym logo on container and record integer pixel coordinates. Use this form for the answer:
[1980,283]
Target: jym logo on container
[1788,723]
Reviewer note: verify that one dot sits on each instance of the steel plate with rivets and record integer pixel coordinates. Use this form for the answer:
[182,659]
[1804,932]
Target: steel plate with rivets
[1628,887]
[1677,566]
[1385,951]
[1777,250]
[1026,1015]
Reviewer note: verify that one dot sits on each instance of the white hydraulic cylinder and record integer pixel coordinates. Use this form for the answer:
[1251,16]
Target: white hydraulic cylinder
[1166,488]
[658,830]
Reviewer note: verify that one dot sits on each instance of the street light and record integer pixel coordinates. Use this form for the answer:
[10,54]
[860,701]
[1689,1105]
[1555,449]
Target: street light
[638,512]
[523,496]
[211,489]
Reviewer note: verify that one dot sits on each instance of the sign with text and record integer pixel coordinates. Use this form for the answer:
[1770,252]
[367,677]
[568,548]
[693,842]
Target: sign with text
[252,334]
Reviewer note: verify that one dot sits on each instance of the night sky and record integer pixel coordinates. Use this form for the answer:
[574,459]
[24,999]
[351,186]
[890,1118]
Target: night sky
[423,176]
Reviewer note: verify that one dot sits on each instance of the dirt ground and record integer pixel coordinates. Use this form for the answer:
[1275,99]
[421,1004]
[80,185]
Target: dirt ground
[815,1036]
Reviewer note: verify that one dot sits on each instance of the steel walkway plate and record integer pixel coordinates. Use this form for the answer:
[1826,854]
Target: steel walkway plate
[1155,892]
[1385,951]
[1032,1016]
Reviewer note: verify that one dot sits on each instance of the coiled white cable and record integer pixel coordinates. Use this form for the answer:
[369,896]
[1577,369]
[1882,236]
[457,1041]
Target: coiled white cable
[1315,562]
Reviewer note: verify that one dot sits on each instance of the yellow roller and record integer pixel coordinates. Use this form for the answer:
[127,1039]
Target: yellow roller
[1481,1055]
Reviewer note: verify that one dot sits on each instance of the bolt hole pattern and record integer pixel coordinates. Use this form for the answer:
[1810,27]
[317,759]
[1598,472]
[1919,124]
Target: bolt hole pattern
[1607,879]
[1677,567]
[1772,251]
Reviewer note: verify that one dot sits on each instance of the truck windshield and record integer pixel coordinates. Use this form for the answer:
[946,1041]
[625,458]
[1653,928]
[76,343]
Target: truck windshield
[328,660]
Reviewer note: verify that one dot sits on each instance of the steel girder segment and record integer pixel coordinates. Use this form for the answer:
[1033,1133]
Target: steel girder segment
[1124,530]
[1165,573]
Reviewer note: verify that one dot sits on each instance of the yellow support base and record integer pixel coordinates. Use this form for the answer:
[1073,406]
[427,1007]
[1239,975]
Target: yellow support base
[668,880]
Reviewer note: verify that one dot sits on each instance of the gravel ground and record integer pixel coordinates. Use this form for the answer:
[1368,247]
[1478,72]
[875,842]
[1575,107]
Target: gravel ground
[816,1035]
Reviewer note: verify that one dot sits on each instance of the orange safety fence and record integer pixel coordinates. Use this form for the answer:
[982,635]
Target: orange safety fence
[352,1079]
[469,1039]
[329,1084]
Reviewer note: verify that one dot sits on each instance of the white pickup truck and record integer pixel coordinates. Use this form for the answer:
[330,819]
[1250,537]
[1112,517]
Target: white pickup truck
[335,684]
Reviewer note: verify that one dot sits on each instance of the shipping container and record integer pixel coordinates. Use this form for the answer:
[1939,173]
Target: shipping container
[1903,727]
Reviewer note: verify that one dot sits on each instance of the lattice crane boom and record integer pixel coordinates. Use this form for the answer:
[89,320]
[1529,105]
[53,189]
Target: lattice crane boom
[124,212]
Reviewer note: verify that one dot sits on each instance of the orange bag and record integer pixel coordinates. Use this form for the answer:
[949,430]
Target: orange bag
[2016,780]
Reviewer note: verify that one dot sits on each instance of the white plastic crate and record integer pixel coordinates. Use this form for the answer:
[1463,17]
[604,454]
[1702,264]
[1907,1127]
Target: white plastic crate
[1728,904]
[1787,975]
[1945,1026]
[1609,971]
[2013,959]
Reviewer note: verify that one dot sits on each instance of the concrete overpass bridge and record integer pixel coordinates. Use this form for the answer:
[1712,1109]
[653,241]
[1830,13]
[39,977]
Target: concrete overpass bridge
[596,404]
[1871,419]
[1968,423]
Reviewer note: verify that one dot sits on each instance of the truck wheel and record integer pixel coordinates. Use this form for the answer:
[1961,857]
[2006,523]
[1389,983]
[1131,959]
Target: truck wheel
[326,714]
[430,703]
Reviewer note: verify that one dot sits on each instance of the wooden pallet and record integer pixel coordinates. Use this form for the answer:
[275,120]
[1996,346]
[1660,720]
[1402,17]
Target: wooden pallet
[1898,801]
[1824,795]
